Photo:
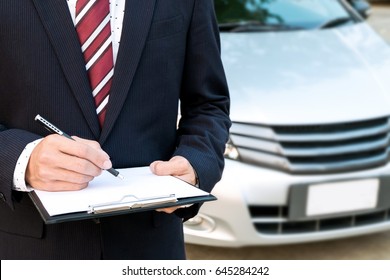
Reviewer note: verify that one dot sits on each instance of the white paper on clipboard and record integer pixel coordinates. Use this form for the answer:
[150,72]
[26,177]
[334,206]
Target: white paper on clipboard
[139,182]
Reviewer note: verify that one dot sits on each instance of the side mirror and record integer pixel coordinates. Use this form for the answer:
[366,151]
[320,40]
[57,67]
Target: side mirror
[361,6]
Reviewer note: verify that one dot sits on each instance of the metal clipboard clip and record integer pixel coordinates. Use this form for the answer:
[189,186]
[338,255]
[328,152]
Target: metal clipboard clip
[130,202]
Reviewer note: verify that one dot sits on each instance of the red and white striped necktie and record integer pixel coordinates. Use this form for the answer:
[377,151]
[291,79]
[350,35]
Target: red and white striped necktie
[94,32]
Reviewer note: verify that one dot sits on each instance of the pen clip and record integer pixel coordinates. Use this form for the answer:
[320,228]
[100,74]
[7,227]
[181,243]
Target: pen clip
[48,125]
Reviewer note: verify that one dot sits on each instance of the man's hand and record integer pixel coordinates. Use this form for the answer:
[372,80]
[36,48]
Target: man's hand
[177,166]
[61,164]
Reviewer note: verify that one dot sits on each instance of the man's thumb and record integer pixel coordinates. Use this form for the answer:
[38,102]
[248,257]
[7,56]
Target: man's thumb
[161,168]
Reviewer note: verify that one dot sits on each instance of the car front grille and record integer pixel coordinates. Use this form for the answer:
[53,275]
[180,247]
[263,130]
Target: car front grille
[273,220]
[314,149]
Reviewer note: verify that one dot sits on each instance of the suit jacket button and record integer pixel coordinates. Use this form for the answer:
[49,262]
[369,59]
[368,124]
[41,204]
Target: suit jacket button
[2,197]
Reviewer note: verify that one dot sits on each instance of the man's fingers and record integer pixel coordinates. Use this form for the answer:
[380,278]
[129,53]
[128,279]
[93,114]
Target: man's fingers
[69,163]
[160,168]
[169,210]
[59,163]
[86,149]
[91,143]
[176,166]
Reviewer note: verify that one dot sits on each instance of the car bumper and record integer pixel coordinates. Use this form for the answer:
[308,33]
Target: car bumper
[231,221]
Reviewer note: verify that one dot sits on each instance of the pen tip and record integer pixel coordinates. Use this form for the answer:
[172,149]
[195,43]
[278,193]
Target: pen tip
[121,177]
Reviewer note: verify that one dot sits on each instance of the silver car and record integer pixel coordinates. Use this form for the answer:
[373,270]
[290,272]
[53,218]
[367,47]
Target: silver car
[308,156]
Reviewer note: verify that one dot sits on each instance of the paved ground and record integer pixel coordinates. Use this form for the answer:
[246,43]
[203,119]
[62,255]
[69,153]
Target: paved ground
[369,247]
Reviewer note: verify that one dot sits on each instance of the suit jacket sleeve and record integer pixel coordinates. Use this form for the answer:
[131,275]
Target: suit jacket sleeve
[204,124]
[12,142]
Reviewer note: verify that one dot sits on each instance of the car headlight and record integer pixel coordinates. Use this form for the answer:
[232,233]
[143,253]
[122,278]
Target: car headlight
[231,152]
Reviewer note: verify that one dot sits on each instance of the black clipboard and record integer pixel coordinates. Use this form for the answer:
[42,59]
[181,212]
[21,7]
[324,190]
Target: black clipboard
[92,215]
[124,203]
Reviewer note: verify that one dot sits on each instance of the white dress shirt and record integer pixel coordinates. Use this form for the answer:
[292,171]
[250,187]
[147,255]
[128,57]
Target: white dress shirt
[117,11]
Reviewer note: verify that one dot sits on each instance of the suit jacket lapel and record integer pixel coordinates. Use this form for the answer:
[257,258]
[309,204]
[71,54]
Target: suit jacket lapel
[136,24]
[59,26]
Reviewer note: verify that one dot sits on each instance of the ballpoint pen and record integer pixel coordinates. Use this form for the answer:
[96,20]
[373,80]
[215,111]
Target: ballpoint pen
[52,128]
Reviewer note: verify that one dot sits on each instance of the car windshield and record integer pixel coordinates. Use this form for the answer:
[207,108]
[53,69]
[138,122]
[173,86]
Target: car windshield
[270,15]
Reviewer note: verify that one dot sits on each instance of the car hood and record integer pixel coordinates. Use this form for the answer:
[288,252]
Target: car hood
[307,77]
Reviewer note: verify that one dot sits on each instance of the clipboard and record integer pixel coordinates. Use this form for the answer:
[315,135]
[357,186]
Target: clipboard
[108,196]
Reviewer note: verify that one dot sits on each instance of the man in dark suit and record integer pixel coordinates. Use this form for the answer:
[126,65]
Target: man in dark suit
[167,55]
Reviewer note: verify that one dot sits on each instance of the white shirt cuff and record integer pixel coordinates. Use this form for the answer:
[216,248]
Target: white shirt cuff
[19,183]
